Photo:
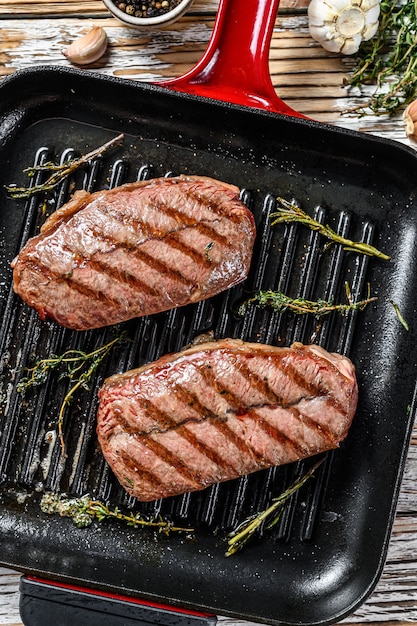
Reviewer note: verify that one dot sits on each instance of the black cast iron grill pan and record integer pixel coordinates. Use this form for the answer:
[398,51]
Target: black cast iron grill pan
[327,553]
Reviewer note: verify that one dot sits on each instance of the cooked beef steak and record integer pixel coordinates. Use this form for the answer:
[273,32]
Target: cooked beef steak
[135,250]
[220,410]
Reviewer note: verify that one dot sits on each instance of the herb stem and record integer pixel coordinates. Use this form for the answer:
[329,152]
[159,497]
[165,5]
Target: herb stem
[78,367]
[288,213]
[241,535]
[83,511]
[281,302]
[60,171]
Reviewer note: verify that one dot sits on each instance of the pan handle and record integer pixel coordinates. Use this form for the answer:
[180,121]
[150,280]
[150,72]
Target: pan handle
[235,65]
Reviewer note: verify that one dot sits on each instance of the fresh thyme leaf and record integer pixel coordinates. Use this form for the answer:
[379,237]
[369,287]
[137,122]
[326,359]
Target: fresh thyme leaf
[399,315]
[59,171]
[288,213]
[78,367]
[83,511]
[281,302]
[389,60]
[271,515]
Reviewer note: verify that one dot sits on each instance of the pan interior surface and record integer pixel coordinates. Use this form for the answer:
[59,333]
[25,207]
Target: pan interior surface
[325,555]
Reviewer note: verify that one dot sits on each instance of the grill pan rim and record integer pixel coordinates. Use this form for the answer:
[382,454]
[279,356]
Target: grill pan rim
[21,75]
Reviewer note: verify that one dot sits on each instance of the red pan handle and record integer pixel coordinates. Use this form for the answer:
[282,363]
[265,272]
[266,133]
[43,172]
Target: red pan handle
[235,65]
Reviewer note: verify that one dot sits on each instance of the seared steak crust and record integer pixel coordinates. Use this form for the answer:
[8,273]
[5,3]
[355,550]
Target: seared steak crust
[135,250]
[221,410]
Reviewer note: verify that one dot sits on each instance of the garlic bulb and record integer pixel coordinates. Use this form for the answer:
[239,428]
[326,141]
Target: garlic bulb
[88,48]
[410,120]
[341,25]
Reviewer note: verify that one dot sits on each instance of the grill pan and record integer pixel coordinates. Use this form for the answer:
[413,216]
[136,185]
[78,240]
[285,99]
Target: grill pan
[327,553]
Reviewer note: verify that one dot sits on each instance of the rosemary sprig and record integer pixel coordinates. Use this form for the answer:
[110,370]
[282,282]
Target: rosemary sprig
[281,302]
[76,365]
[287,213]
[60,171]
[389,60]
[83,511]
[271,515]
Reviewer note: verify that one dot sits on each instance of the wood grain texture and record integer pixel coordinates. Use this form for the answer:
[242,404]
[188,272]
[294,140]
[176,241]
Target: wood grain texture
[312,82]
[43,8]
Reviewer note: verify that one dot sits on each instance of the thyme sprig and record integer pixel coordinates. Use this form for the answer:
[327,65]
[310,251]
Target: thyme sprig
[270,516]
[399,315]
[279,301]
[59,171]
[83,511]
[389,60]
[76,365]
[288,213]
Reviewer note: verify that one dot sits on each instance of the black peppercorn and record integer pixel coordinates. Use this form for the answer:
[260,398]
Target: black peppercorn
[147,8]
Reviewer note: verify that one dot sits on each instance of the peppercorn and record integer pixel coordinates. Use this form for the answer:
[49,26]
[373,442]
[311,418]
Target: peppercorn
[147,8]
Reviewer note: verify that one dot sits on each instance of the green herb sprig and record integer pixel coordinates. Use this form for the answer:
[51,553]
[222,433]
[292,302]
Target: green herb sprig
[60,171]
[83,511]
[279,301]
[76,365]
[399,315]
[239,537]
[389,60]
[289,213]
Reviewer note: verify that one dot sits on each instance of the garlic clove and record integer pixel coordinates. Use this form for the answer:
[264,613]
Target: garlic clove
[410,120]
[88,48]
[368,5]
[369,32]
[351,44]
[372,15]
[319,13]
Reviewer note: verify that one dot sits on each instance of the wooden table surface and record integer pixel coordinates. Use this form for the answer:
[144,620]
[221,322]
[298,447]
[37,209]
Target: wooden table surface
[308,79]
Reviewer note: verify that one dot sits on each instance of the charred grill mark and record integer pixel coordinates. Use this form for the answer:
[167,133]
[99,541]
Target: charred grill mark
[82,289]
[121,276]
[261,384]
[197,257]
[146,475]
[313,389]
[221,425]
[182,219]
[324,431]
[171,459]
[171,238]
[271,397]
[197,197]
[167,271]
[92,294]
[165,422]
[212,204]
[38,268]
[277,435]
[170,273]
[203,227]
[110,238]
[189,398]
[161,419]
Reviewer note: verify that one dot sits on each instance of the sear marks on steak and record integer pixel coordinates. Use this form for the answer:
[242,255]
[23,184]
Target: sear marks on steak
[221,410]
[135,250]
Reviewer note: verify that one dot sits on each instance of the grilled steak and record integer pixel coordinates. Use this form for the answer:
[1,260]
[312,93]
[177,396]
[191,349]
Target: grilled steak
[220,410]
[135,250]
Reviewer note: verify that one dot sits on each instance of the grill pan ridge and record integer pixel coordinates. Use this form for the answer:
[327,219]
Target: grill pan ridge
[327,553]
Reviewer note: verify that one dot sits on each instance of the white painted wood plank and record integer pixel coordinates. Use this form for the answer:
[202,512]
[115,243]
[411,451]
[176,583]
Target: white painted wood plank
[9,597]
